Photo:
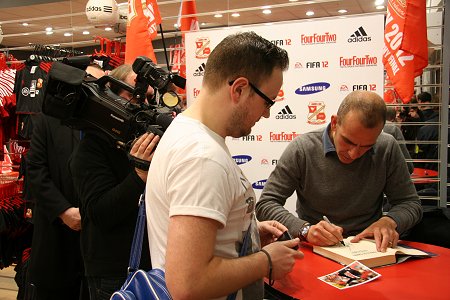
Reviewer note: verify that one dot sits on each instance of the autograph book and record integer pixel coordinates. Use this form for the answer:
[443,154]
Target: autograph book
[365,252]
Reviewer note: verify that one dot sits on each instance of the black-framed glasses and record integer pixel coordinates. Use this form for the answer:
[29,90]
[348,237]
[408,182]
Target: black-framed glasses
[269,102]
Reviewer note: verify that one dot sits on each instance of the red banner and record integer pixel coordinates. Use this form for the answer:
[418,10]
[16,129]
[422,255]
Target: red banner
[141,29]
[175,57]
[406,46]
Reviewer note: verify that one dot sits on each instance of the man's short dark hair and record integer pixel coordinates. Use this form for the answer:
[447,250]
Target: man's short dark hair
[424,97]
[243,54]
[369,105]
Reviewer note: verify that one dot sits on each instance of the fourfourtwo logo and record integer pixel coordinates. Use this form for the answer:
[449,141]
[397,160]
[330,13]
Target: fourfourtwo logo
[359,35]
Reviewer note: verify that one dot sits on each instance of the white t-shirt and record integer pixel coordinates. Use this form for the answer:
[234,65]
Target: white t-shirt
[192,173]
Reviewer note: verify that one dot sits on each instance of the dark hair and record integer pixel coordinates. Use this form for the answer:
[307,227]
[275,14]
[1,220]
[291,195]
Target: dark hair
[424,97]
[243,54]
[391,113]
[370,105]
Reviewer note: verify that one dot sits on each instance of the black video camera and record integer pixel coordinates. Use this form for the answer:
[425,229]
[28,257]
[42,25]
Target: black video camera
[82,102]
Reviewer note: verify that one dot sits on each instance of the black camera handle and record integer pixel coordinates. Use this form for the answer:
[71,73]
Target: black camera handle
[102,81]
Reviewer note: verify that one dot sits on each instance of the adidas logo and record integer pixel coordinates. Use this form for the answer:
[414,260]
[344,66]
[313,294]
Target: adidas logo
[200,70]
[285,113]
[360,35]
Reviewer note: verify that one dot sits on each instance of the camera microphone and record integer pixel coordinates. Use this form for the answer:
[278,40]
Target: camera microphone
[179,81]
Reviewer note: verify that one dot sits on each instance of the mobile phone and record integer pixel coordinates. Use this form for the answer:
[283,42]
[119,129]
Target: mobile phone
[286,236]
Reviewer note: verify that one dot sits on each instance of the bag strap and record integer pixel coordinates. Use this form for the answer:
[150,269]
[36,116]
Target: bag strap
[136,246]
[246,240]
[242,253]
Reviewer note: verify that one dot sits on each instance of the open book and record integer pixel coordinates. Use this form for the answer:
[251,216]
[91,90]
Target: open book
[365,252]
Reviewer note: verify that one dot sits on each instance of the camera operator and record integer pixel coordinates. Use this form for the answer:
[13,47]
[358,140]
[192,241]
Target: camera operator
[56,216]
[109,186]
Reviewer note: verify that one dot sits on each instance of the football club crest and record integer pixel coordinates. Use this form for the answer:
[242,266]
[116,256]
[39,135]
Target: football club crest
[316,115]
[202,49]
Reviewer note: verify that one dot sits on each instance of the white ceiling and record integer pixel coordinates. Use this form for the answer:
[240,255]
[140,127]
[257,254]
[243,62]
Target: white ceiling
[70,16]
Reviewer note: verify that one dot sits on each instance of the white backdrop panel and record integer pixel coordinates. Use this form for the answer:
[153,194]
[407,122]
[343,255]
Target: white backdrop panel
[328,59]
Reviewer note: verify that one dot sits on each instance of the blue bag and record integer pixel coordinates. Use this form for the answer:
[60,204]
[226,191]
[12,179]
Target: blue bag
[141,285]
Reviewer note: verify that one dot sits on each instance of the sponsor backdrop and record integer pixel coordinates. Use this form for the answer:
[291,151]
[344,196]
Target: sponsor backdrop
[328,59]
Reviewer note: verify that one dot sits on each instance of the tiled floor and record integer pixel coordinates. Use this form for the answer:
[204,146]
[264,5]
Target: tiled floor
[8,287]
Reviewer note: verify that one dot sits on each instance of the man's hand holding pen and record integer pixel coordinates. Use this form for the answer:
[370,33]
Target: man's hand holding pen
[325,234]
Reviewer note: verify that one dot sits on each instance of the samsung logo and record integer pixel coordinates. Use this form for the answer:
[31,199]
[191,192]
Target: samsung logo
[259,185]
[242,159]
[312,88]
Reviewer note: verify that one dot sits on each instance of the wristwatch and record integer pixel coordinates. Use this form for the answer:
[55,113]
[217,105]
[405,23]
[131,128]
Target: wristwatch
[304,231]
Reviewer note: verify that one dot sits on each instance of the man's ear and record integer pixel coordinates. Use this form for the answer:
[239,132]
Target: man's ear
[237,89]
[334,121]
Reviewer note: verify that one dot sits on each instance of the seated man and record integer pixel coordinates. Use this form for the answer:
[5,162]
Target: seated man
[342,171]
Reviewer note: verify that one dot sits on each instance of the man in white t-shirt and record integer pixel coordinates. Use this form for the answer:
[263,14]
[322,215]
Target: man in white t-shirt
[199,203]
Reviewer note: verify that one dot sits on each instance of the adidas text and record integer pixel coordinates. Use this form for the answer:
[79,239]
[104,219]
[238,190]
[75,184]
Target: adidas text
[285,117]
[357,39]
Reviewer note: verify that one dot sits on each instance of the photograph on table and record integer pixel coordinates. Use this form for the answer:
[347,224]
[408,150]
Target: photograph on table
[349,276]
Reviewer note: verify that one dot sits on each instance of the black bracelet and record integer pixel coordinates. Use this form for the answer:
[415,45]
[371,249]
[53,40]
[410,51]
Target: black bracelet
[271,281]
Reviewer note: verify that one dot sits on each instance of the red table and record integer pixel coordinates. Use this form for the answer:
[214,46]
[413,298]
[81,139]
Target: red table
[427,278]
[424,176]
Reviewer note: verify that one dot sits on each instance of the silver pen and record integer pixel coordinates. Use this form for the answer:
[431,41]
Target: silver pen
[329,222]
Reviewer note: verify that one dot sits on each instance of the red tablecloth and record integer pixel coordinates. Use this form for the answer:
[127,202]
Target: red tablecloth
[427,278]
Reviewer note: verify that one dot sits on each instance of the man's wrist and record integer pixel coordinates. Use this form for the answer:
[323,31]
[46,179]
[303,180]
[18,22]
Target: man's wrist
[391,220]
[303,233]
[142,174]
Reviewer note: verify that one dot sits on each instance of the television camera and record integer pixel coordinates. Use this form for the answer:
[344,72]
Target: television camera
[83,103]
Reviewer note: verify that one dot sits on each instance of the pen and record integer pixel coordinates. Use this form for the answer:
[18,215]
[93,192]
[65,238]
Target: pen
[328,221]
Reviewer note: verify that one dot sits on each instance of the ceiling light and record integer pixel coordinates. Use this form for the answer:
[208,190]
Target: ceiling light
[48,29]
[342,11]
[310,13]
[85,32]
[175,25]
[48,32]
[235,15]
[379,2]
[67,34]
[25,24]
[108,28]
[218,16]
[380,7]
[267,11]
[293,0]
[203,24]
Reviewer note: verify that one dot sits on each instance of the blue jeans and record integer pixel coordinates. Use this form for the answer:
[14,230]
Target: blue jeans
[101,288]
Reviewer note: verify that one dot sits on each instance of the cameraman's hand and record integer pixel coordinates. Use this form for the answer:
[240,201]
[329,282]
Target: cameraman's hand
[72,218]
[143,149]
